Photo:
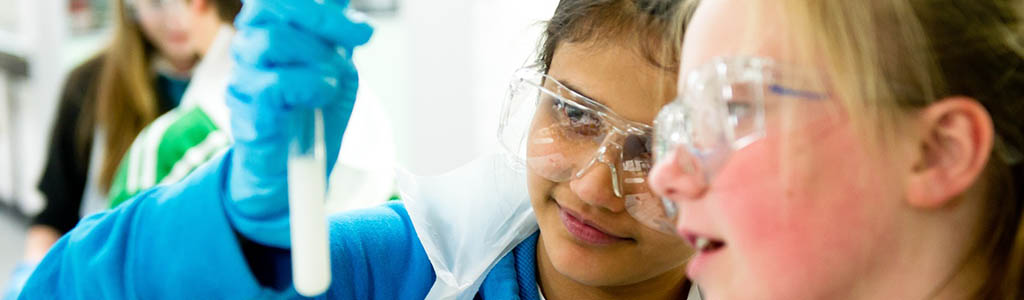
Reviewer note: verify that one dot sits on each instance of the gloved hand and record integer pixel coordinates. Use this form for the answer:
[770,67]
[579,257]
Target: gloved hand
[290,57]
[18,278]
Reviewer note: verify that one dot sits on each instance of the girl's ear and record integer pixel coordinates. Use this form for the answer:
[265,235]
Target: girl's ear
[955,139]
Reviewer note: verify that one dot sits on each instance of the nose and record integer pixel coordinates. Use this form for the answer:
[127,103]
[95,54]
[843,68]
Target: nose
[679,177]
[595,188]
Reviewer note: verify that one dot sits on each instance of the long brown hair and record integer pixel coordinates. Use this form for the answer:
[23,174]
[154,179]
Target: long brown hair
[126,101]
[894,57]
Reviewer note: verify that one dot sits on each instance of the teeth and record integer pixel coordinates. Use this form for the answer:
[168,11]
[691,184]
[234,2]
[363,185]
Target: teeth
[702,243]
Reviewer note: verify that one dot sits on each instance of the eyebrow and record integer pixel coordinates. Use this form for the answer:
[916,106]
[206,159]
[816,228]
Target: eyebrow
[576,90]
[603,107]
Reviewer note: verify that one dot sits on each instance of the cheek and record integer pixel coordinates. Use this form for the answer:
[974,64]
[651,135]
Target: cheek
[545,157]
[801,212]
[546,210]
[539,189]
[168,34]
[149,21]
[656,254]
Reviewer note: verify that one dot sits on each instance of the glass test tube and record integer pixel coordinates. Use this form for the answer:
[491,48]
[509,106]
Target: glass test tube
[307,188]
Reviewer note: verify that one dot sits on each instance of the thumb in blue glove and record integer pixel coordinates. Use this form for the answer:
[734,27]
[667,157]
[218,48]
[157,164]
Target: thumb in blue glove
[291,57]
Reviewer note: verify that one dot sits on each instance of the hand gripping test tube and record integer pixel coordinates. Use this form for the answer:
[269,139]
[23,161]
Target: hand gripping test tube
[307,188]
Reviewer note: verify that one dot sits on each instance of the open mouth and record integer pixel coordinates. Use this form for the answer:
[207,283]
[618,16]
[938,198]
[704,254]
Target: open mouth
[705,244]
[706,247]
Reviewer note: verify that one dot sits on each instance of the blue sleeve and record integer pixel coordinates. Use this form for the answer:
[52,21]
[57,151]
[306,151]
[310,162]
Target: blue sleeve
[176,242]
[376,254]
[172,242]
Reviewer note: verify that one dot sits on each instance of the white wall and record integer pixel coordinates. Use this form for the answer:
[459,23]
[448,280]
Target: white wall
[441,69]
[47,31]
[40,36]
[7,184]
[8,15]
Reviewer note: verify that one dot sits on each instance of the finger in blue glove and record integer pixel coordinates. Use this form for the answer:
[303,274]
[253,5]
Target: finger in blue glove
[321,18]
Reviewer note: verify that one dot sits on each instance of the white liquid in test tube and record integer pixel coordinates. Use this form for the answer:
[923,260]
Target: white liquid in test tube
[307,187]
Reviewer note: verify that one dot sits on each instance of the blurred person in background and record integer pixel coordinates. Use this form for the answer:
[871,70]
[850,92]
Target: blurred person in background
[180,140]
[105,103]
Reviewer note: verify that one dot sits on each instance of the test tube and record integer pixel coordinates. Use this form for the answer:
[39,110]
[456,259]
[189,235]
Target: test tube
[307,188]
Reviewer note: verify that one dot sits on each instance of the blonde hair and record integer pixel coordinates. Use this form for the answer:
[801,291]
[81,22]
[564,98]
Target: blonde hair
[889,58]
[126,101]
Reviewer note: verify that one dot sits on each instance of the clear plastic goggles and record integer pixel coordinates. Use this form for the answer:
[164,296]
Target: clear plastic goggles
[722,108]
[158,4]
[561,135]
[171,10]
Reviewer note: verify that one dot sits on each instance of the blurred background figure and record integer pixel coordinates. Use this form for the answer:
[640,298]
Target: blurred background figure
[105,102]
[461,53]
[183,138]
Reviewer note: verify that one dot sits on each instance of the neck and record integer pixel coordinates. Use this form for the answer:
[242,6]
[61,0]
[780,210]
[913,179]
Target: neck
[933,258]
[964,283]
[181,66]
[204,38]
[556,286]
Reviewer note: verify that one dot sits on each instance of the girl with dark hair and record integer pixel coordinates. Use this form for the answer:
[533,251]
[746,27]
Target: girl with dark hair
[574,222]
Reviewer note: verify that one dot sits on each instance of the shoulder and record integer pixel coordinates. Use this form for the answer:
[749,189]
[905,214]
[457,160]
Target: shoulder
[185,125]
[515,273]
[392,210]
[82,83]
[386,224]
[90,68]
[376,254]
[87,73]
[181,129]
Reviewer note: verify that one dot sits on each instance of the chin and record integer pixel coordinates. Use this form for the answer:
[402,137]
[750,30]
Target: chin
[585,265]
[583,269]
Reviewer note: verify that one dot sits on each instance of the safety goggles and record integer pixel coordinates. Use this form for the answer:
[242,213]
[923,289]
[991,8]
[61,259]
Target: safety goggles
[560,135]
[164,3]
[723,106]
[167,9]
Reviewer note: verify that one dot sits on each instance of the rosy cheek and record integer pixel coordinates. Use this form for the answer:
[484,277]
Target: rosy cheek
[751,198]
[798,219]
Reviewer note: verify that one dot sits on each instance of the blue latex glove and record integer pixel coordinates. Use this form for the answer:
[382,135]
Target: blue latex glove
[18,279]
[290,57]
